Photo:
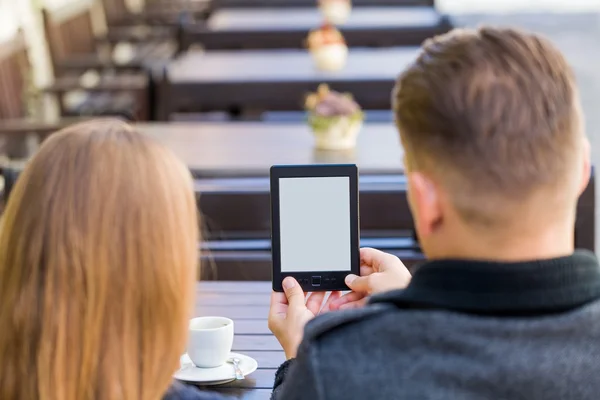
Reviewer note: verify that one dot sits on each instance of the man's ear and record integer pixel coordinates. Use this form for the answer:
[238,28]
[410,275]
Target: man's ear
[586,165]
[424,198]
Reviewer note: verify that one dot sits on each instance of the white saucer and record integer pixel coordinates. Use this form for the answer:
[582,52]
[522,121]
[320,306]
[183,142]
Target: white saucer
[213,376]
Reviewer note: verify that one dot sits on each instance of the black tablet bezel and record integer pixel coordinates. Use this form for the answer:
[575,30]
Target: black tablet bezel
[317,281]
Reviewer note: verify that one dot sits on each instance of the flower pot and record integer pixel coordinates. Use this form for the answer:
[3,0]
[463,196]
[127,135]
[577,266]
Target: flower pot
[339,135]
[336,12]
[331,57]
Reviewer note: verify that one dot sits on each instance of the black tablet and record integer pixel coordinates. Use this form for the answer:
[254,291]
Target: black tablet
[314,225]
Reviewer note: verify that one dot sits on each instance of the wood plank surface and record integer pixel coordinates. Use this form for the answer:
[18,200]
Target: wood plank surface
[234,287]
[235,312]
[242,343]
[204,299]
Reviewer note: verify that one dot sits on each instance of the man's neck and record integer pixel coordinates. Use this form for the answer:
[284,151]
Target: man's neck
[526,245]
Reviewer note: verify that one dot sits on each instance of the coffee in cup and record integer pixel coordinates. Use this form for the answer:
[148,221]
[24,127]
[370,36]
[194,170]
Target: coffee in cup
[210,341]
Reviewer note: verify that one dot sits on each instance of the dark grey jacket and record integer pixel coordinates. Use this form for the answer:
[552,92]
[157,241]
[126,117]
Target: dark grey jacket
[461,330]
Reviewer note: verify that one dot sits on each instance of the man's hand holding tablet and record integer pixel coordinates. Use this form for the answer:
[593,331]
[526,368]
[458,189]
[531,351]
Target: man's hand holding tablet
[291,310]
[379,272]
[314,225]
[315,233]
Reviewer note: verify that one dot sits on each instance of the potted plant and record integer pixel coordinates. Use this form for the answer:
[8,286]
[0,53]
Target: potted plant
[335,119]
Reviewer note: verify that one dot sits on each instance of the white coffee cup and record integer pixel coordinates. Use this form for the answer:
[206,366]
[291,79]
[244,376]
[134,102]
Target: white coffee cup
[210,341]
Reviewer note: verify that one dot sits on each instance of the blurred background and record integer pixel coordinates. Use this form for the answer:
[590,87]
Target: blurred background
[227,85]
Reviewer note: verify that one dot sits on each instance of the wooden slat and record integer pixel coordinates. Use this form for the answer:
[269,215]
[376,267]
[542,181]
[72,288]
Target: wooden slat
[245,394]
[238,312]
[267,359]
[234,287]
[260,379]
[228,299]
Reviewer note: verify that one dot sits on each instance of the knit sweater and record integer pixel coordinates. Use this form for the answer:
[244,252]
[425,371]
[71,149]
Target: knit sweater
[461,330]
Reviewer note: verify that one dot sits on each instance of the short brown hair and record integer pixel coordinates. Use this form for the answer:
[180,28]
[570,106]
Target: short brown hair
[494,110]
[98,255]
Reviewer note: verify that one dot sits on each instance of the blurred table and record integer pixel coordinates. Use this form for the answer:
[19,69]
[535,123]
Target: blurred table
[249,149]
[247,303]
[219,4]
[275,80]
[278,28]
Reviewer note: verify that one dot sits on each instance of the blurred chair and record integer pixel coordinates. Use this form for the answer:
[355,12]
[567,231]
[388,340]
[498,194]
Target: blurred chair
[87,79]
[15,93]
[166,13]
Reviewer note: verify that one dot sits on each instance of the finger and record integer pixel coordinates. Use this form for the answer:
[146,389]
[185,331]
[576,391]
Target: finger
[347,298]
[355,304]
[279,304]
[293,292]
[365,270]
[378,260]
[315,302]
[333,296]
[359,284]
[372,257]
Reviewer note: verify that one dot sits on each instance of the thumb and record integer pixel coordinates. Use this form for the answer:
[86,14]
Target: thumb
[293,292]
[358,283]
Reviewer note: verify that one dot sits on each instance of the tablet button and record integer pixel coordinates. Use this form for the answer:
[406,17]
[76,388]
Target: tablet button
[316,281]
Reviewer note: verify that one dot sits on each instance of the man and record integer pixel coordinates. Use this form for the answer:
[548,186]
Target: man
[496,158]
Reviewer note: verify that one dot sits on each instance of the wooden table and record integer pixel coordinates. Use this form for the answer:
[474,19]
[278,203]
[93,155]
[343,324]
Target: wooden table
[247,303]
[287,28]
[275,80]
[248,149]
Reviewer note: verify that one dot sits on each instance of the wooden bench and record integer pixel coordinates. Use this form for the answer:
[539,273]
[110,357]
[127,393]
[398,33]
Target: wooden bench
[287,28]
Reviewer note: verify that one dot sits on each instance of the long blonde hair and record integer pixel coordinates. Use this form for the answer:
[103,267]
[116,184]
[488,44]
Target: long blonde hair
[98,251]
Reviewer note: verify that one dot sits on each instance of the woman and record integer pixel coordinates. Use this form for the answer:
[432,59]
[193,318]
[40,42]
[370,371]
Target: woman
[98,252]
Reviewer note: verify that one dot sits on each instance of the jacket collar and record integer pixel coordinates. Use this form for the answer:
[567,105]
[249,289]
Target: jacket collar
[483,287]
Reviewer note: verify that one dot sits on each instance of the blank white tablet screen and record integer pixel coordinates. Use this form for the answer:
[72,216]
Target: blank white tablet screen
[314,224]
